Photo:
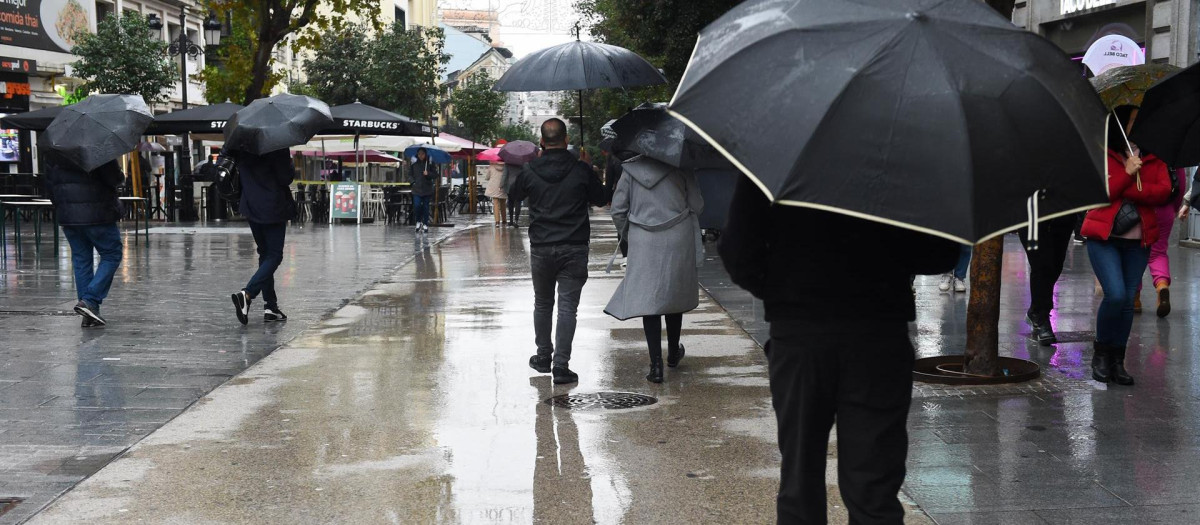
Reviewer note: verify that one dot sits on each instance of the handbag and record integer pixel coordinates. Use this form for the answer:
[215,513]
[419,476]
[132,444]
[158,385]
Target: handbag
[1126,219]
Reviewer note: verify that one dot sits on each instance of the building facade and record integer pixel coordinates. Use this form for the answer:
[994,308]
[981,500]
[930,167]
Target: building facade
[1166,29]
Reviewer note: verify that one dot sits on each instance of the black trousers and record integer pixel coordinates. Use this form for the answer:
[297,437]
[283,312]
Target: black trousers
[652,325]
[1046,263]
[859,373]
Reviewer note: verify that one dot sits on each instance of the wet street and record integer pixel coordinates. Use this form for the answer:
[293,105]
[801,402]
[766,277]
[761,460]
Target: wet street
[400,393]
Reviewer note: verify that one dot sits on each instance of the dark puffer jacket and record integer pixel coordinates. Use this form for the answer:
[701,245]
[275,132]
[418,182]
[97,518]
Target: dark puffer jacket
[81,198]
[266,186]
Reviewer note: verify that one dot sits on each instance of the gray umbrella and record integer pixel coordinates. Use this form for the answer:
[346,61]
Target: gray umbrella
[649,130]
[97,130]
[578,66]
[275,123]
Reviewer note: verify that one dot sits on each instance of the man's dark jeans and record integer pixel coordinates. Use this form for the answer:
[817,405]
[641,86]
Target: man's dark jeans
[859,373]
[269,238]
[93,281]
[564,266]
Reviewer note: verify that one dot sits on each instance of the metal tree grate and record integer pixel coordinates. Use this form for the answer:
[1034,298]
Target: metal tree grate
[601,400]
[7,504]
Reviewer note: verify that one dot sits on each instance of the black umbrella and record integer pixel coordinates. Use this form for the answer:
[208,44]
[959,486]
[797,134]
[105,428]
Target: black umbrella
[275,123]
[649,130]
[36,120]
[1168,123]
[359,118]
[98,129]
[201,119]
[936,115]
[576,66]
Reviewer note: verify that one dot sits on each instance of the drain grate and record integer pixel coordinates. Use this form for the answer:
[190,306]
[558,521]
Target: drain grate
[601,400]
[7,504]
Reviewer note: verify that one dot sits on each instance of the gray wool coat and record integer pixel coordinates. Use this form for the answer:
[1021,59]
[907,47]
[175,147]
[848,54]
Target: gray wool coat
[656,209]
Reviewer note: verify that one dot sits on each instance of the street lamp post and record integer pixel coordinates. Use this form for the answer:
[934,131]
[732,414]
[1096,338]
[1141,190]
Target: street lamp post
[183,47]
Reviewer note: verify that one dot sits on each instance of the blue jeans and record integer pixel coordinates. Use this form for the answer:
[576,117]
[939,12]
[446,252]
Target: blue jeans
[421,209]
[964,262]
[1119,265]
[269,238]
[566,267]
[92,282]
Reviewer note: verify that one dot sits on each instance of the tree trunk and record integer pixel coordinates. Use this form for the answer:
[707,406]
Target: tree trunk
[261,70]
[983,309]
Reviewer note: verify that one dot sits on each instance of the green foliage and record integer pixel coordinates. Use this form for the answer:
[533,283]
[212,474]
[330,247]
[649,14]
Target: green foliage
[229,69]
[336,71]
[477,107]
[404,70]
[297,87]
[514,132]
[123,57]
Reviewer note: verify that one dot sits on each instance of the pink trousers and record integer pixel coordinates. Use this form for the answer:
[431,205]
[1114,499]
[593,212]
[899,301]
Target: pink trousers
[1160,265]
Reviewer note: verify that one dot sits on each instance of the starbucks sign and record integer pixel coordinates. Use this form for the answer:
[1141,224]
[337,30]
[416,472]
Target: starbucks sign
[1067,7]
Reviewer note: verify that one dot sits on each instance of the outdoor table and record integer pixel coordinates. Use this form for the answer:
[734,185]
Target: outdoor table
[36,206]
[145,204]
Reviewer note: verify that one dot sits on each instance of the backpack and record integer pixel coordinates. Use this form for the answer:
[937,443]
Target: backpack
[228,180]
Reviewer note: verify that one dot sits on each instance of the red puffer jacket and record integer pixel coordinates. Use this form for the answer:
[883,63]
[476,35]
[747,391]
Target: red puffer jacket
[1155,191]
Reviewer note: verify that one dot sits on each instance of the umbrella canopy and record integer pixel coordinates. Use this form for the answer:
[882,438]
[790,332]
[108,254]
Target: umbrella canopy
[275,123]
[361,155]
[649,130]
[98,129]
[518,152]
[1125,86]
[201,119]
[349,119]
[579,65]
[1113,51]
[36,120]
[489,155]
[436,155]
[1168,123]
[939,116]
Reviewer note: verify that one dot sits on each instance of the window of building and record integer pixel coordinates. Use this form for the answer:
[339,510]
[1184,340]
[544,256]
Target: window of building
[401,17]
[104,10]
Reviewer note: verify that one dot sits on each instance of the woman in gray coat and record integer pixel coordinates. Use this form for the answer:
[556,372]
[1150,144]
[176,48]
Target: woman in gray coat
[656,209]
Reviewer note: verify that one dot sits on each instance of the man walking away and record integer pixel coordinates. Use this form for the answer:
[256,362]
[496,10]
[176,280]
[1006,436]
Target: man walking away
[558,188]
[838,349]
[267,204]
[88,209]
[422,175]
[1045,267]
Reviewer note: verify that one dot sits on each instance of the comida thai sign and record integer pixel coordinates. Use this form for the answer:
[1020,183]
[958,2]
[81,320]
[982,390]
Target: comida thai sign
[1067,7]
[51,25]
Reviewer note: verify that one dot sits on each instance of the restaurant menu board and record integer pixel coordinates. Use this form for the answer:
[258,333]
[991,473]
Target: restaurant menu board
[345,201]
[52,25]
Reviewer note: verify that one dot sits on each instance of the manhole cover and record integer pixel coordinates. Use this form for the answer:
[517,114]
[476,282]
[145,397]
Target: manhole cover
[605,400]
[7,504]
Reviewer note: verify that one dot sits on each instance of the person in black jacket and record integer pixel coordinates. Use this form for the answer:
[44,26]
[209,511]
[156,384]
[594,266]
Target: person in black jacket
[559,189]
[422,175]
[838,348]
[267,204]
[88,209]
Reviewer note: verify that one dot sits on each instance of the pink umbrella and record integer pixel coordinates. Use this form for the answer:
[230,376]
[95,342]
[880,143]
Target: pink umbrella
[490,155]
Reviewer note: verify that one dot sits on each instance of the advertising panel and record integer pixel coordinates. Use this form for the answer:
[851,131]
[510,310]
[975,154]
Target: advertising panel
[345,201]
[51,25]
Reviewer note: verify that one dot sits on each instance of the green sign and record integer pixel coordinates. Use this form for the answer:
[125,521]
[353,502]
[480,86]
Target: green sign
[345,201]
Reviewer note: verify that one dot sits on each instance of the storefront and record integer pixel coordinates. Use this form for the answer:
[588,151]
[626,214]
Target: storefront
[1165,29]
[14,98]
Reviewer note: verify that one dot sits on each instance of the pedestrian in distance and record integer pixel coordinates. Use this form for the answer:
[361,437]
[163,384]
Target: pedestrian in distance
[422,175]
[1045,267]
[495,191]
[88,208]
[956,280]
[656,209]
[838,349]
[267,204]
[560,189]
[514,206]
[1119,237]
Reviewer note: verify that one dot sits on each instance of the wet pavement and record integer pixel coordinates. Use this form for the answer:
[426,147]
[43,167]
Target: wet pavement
[413,403]
[72,399]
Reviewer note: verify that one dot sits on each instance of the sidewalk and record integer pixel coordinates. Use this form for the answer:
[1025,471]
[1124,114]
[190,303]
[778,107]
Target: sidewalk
[414,403]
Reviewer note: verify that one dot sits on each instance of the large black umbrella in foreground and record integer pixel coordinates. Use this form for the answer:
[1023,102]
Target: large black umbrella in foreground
[576,66]
[359,118]
[1168,123]
[936,115]
[649,130]
[37,120]
[275,123]
[200,119]
[98,129]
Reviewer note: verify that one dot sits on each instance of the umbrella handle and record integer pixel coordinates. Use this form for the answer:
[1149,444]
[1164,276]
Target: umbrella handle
[1128,146]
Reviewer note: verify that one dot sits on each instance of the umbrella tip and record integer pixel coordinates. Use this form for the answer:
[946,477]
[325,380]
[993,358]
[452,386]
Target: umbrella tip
[915,16]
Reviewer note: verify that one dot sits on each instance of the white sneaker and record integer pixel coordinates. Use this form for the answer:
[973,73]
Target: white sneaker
[960,286]
[947,282]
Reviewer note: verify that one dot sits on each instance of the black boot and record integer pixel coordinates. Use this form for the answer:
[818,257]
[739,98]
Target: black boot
[1101,363]
[674,355]
[1040,329]
[656,367]
[1119,375]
